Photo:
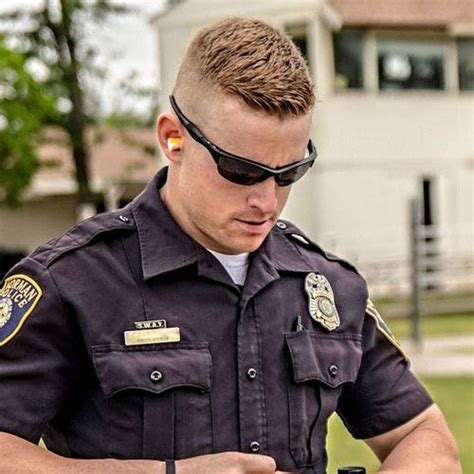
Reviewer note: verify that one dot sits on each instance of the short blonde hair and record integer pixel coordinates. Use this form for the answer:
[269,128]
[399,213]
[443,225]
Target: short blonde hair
[250,60]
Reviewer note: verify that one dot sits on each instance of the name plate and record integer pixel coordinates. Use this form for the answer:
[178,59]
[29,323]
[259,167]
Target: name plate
[151,336]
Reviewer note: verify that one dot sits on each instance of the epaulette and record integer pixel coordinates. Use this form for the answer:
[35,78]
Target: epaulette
[82,234]
[297,236]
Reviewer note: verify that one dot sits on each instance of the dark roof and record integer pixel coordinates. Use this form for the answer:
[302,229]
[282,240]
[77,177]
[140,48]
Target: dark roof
[115,154]
[413,13]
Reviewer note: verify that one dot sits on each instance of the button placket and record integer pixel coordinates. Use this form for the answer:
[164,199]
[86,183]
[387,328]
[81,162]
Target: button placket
[251,402]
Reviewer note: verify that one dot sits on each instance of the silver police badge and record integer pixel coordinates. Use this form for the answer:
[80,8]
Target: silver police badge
[321,301]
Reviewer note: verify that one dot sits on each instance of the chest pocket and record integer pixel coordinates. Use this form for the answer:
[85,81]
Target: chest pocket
[159,399]
[320,365]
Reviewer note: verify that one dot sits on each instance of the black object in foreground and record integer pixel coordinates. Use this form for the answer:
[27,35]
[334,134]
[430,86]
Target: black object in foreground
[351,470]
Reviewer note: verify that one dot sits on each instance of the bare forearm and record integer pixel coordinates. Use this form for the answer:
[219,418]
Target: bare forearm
[18,455]
[422,444]
[424,450]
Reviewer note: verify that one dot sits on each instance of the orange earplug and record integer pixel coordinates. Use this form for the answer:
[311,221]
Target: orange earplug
[174,143]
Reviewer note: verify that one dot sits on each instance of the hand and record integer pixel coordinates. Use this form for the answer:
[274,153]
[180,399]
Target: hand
[227,463]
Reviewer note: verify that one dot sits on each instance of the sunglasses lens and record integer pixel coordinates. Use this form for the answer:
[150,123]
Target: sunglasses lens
[292,175]
[239,172]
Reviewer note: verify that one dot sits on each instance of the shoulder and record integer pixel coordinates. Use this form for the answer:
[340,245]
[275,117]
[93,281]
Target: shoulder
[96,228]
[324,272]
[308,248]
[344,278]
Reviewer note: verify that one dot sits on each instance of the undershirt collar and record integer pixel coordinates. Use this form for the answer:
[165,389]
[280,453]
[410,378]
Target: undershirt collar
[236,265]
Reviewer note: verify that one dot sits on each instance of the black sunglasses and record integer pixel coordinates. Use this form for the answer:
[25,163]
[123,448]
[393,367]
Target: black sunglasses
[241,170]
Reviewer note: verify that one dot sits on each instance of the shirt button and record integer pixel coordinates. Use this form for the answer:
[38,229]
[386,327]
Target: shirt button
[124,218]
[156,376]
[281,225]
[254,446]
[333,370]
[251,373]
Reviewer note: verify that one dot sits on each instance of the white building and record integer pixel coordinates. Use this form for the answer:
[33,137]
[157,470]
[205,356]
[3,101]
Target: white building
[394,120]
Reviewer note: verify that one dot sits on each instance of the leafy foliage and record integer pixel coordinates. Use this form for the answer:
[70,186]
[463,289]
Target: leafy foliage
[53,38]
[24,106]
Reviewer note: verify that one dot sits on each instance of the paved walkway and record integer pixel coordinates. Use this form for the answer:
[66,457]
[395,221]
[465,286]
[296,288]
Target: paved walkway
[453,355]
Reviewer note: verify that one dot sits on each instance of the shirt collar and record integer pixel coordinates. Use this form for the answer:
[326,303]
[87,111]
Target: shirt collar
[165,247]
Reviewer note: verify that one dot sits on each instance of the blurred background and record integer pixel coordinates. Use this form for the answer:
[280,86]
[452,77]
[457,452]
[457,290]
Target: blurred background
[81,83]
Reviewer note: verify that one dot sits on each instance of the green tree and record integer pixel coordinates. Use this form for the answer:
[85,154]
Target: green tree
[23,108]
[54,35]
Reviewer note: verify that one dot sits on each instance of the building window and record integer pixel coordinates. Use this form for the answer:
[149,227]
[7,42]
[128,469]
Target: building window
[410,64]
[348,59]
[299,35]
[466,63]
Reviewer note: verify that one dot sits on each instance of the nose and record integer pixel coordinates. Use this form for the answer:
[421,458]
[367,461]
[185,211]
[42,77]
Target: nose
[263,196]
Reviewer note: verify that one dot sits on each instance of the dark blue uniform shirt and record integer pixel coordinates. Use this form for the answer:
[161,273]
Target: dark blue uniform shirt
[246,374]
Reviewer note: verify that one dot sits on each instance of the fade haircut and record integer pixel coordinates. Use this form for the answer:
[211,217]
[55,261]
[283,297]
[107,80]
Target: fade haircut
[249,60]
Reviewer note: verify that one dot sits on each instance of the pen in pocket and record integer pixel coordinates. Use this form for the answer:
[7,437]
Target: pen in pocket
[299,324]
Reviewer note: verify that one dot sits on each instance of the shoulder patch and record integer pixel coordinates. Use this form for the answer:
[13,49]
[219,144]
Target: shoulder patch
[382,327]
[18,298]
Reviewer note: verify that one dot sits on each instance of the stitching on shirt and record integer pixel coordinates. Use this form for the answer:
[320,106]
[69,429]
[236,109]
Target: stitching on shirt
[261,382]
[76,244]
[141,229]
[139,288]
[101,348]
[239,366]
[332,337]
[339,337]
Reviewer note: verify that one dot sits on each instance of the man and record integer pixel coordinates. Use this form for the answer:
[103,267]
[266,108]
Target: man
[192,326]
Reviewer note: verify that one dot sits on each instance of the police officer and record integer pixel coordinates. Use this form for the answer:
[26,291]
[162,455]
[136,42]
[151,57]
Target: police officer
[192,331]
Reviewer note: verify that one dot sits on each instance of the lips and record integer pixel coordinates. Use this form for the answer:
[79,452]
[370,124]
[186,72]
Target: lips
[253,226]
[253,222]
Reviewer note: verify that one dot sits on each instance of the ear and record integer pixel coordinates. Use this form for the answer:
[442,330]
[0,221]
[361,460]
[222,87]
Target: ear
[170,136]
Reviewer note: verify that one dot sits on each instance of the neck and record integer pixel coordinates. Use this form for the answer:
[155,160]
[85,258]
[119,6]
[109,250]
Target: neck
[171,203]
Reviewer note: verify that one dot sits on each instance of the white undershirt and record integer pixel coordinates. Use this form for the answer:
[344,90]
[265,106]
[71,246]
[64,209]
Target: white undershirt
[236,265]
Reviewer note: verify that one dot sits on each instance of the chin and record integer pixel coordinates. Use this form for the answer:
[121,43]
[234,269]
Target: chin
[249,245]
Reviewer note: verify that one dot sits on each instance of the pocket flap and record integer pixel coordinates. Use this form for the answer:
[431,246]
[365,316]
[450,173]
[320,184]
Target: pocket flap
[331,359]
[152,369]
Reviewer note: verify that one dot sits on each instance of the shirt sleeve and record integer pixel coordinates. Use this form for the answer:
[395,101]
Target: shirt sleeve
[36,350]
[386,394]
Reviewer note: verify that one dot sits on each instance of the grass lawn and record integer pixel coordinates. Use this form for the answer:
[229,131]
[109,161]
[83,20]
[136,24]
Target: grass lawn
[439,325]
[454,395]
